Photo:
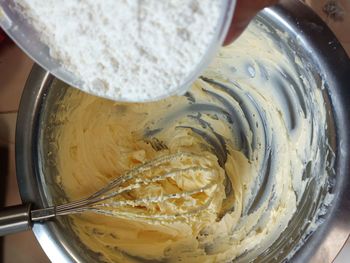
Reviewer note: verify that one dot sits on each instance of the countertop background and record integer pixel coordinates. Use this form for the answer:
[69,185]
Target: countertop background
[14,69]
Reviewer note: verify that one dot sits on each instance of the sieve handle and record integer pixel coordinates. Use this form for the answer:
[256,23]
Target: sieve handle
[15,219]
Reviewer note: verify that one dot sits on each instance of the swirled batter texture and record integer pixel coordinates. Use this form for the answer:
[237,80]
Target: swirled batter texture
[252,117]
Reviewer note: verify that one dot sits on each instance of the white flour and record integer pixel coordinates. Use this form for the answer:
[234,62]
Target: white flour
[134,50]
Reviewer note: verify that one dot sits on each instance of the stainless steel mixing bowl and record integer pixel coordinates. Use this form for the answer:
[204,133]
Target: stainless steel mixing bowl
[320,52]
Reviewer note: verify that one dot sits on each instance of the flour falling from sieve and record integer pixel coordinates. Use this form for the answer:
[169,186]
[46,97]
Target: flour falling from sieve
[129,50]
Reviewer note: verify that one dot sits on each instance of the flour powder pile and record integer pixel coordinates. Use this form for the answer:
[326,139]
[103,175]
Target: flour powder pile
[131,50]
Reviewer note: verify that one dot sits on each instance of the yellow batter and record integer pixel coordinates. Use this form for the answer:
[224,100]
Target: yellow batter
[99,140]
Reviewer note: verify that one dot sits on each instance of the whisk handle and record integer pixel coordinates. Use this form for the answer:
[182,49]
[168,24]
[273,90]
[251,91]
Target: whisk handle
[15,219]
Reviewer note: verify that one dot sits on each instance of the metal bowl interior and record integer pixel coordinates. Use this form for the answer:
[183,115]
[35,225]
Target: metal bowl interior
[327,64]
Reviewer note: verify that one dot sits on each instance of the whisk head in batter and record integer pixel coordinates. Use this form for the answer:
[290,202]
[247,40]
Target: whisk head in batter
[167,189]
